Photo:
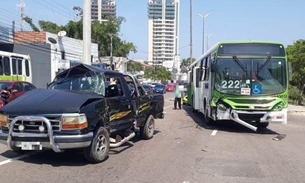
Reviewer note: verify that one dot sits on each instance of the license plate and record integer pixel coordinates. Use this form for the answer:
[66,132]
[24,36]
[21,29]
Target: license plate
[31,146]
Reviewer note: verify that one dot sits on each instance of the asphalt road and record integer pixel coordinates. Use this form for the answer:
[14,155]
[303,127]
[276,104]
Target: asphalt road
[183,149]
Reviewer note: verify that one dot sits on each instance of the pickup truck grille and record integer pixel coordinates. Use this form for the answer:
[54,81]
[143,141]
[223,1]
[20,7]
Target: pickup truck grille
[33,126]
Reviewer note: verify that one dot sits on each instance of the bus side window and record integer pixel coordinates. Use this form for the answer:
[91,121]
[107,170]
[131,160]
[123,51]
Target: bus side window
[207,68]
[27,68]
[1,65]
[7,66]
[14,65]
[19,66]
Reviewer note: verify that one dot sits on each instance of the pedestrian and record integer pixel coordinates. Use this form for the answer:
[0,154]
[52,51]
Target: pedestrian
[178,96]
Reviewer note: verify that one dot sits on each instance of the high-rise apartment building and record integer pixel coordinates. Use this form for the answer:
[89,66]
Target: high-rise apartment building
[99,8]
[163,33]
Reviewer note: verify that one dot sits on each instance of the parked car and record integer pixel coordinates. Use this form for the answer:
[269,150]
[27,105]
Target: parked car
[10,90]
[148,88]
[78,111]
[170,87]
[154,84]
[159,88]
[184,100]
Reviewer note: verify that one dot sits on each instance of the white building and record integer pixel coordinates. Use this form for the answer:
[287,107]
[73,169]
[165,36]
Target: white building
[102,7]
[50,53]
[163,33]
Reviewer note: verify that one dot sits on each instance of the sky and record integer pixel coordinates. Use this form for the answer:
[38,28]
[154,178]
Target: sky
[273,20]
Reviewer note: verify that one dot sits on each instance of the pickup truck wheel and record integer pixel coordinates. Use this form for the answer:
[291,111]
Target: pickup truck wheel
[99,148]
[147,131]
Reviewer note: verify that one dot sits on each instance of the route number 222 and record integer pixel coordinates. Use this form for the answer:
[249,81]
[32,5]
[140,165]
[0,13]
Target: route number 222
[230,84]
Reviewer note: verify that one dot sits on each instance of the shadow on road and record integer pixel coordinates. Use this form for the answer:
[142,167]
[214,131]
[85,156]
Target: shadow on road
[66,158]
[228,126]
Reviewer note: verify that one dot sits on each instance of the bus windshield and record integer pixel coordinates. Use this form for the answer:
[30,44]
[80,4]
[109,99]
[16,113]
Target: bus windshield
[250,76]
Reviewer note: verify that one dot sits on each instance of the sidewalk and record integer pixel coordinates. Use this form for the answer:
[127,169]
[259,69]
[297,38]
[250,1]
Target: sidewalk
[296,109]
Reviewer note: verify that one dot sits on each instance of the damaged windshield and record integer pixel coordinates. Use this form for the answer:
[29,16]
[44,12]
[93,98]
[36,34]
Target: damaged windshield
[90,81]
[250,76]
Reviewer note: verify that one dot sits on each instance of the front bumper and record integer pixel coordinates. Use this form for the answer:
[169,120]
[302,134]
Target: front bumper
[245,117]
[40,141]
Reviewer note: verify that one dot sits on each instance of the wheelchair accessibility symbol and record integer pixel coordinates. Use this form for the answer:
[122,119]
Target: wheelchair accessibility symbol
[257,89]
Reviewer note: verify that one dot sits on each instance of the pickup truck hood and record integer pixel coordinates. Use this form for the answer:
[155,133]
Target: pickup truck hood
[48,101]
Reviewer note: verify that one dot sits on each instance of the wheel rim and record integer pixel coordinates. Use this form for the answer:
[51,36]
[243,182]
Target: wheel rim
[151,127]
[101,144]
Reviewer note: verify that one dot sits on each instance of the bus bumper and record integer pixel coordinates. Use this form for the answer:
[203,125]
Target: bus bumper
[244,117]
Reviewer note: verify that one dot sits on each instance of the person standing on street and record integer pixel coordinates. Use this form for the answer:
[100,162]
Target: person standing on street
[178,96]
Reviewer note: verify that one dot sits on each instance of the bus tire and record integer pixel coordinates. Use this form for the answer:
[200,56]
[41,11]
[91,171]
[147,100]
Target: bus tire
[207,119]
[194,110]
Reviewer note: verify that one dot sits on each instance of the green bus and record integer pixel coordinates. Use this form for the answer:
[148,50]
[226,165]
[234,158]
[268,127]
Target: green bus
[15,67]
[242,81]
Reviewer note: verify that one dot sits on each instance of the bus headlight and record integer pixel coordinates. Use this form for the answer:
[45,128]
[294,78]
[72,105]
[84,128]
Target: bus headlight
[3,120]
[74,122]
[278,107]
[221,107]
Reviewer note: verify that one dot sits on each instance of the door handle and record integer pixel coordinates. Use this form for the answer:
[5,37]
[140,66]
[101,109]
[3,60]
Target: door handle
[206,85]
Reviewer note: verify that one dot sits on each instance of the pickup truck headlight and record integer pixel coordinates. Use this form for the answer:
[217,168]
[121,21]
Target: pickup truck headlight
[3,120]
[74,122]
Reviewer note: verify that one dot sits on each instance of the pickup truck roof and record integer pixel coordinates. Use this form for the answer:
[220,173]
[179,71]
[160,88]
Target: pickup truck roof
[83,68]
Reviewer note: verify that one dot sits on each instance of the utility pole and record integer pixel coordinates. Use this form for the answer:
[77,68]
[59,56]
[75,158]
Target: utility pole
[87,32]
[21,5]
[111,50]
[191,30]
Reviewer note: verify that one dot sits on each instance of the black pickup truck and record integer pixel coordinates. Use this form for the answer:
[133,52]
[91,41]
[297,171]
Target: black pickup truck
[85,107]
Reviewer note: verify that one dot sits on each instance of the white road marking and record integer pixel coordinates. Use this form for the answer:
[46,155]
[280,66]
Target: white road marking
[214,132]
[14,159]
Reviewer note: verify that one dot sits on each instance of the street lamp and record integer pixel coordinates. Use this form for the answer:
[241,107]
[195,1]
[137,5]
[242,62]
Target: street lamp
[207,40]
[203,16]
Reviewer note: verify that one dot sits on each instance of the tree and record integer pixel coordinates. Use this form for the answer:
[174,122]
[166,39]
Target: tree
[134,67]
[157,73]
[30,22]
[185,63]
[296,55]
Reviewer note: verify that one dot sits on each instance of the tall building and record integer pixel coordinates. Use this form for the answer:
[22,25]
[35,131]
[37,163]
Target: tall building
[100,8]
[163,33]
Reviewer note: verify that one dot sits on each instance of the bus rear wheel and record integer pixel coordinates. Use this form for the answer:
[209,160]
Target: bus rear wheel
[193,100]
[207,119]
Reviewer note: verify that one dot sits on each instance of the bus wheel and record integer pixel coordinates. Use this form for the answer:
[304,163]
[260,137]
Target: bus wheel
[194,110]
[207,119]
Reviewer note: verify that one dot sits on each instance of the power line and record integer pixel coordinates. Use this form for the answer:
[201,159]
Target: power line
[48,7]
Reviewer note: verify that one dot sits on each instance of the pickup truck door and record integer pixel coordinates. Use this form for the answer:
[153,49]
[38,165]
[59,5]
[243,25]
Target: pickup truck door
[120,111]
[141,100]
[144,107]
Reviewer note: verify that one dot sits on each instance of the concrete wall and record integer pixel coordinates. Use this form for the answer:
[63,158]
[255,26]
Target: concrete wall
[41,62]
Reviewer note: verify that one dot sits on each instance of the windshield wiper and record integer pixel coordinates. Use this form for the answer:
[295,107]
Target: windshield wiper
[266,62]
[239,63]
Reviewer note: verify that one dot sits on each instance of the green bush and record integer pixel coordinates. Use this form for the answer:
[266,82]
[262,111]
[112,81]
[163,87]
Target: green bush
[294,93]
